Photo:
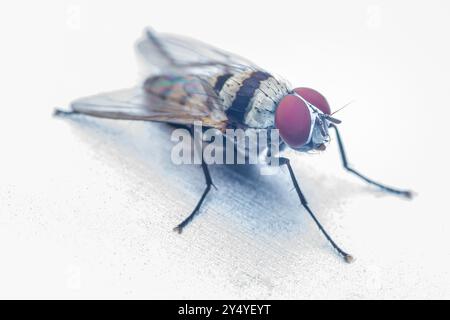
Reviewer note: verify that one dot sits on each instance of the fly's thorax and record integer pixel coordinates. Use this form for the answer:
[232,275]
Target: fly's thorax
[261,112]
[249,98]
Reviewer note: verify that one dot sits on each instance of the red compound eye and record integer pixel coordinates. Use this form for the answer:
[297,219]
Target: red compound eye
[315,98]
[293,120]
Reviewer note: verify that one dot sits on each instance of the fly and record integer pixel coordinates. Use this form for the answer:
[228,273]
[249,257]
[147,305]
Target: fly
[188,81]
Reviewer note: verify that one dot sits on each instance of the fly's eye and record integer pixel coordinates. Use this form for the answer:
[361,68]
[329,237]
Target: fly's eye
[293,120]
[315,98]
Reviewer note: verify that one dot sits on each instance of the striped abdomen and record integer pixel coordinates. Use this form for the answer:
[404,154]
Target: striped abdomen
[249,98]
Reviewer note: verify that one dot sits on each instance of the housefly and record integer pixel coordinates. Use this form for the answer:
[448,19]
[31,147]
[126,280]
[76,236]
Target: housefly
[187,81]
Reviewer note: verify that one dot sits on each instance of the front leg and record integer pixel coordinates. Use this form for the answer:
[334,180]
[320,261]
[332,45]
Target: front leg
[285,161]
[405,193]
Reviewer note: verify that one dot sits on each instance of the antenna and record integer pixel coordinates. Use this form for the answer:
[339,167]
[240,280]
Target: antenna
[344,106]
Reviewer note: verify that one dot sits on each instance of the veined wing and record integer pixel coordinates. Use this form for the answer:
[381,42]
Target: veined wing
[138,104]
[181,80]
[167,53]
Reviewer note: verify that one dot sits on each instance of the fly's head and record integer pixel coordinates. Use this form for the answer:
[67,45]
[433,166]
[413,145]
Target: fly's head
[303,118]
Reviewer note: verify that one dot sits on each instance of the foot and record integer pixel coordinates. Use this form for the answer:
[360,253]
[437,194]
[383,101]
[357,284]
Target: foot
[178,229]
[348,258]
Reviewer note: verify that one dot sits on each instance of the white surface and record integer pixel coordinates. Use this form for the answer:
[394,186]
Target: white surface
[87,206]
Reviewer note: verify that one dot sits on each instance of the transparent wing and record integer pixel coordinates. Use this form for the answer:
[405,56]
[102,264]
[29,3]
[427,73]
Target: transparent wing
[138,104]
[166,53]
[180,75]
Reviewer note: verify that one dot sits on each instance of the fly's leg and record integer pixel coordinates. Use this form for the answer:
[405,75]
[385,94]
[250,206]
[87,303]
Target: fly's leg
[209,183]
[405,193]
[284,161]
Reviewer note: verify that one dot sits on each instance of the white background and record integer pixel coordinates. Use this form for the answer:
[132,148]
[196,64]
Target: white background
[87,206]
